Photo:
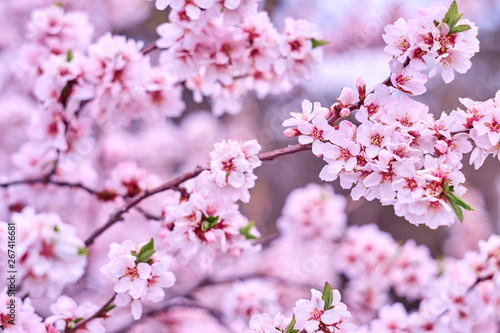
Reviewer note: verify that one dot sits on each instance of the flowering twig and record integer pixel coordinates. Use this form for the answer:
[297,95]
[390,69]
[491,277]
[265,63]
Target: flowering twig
[272,155]
[99,313]
[46,180]
[118,215]
[172,184]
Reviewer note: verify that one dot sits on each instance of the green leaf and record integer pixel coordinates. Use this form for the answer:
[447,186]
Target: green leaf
[245,231]
[65,92]
[69,55]
[318,42]
[451,19]
[208,222]
[327,295]
[454,205]
[451,15]
[109,307]
[446,186]
[290,327]
[77,320]
[461,202]
[146,252]
[56,228]
[83,251]
[460,28]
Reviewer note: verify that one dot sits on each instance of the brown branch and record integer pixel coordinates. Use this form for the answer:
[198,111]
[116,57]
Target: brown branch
[271,155]
[174,183]
[147,214]
[118,214]
[479,280]
[46,180]
[99,313]
[149,47]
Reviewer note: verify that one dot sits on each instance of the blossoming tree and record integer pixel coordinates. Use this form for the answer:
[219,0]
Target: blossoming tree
[111,226]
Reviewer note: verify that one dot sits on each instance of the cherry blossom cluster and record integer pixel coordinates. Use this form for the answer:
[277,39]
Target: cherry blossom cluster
[204,222]
[222,61]
[27,319]
[464,298]
[111,82]
[246,298]
[438,35]
[142,274]
[313,212]
[128,180]
[79,84]
[66,313]
[482,121]
[374,263]
[50,254]
[399,153]
[324,312]
[233,11]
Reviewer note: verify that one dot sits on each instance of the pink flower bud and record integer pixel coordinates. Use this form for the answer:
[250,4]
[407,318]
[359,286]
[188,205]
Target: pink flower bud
[347,96]
[345,112]
[291,132]
[361,87]
[441,146]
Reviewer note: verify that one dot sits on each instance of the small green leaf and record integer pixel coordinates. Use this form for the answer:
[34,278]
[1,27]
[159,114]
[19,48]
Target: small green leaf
[146,252]
[318,42]
[109,307]
[460,28]
[454,205]
[77,320]
[83,251]
[451,19]
[290,327]
[208,222]
[461,202]
[58,4]
[446,186]
[245,231]
[69,55]
[65,92]
[451,15]
[56,228]
[327,295]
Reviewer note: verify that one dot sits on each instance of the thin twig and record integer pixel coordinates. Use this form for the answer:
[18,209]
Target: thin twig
[99,313]
[118,214]
[271,155]
[45,180]
[148,215]
[174,183]
[149,47]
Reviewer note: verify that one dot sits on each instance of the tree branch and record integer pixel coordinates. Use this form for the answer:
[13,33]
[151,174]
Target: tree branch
[99,313]
[149,47]
[118,214]
[46,180]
